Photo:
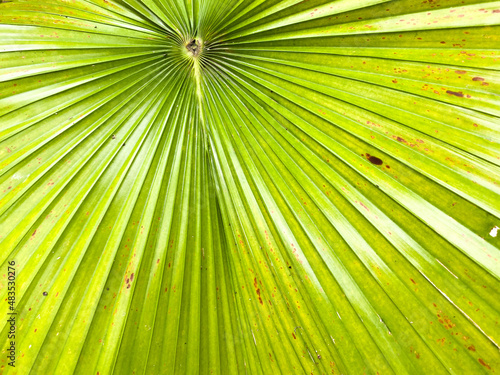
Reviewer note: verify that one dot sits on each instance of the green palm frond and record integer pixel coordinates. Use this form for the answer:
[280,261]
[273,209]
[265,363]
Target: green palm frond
[250,186]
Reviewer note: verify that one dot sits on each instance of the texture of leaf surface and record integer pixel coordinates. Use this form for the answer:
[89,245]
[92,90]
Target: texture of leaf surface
[251,186]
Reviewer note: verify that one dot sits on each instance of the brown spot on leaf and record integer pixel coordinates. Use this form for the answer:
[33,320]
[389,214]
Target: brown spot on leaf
[460,94]
[472,348]
[484,363]
[375,160]
[460,71]
[478,79]
[260,299]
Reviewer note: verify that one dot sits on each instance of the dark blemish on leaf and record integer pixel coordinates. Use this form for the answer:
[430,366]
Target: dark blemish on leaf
[460,94]
[375,160]
[478,79]
[484,363]
[123,144]
[399,139]
[472,348]
[113,136]
[131,276]
[460,71]
[295,338]
[260,299]
[45,294]
[413,281]
[387,166]
[290,267]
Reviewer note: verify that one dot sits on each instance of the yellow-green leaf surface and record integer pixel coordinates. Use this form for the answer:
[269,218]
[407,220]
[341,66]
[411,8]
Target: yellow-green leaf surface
[250,186]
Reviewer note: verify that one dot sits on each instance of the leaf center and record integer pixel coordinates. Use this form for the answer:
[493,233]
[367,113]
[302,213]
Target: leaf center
[194,47]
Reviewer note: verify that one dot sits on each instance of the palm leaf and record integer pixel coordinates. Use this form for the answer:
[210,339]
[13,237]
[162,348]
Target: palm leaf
[314,189]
